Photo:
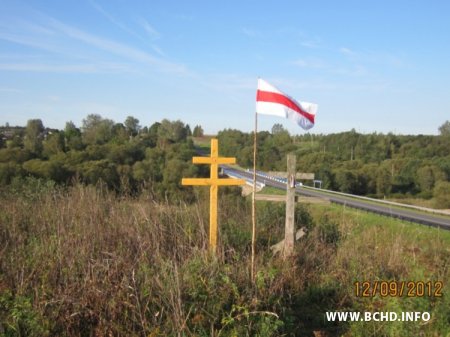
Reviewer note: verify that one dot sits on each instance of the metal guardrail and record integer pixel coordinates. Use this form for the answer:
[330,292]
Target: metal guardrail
[372,205]
[235,174]
[353,196]
[379,201]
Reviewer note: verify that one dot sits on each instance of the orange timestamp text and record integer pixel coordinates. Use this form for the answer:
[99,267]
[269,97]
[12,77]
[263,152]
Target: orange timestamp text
[398,288]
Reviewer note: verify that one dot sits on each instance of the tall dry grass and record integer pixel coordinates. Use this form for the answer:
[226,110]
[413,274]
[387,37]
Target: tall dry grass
[91,261]
[84,261]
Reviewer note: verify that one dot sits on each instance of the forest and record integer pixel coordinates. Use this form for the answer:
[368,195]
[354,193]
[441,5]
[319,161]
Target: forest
[376,165]
[123,156]
[128,157]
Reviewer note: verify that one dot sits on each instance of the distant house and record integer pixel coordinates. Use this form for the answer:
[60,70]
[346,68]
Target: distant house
[7,133]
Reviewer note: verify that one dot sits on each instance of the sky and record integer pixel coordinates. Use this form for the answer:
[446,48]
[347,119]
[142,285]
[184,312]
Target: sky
[373,66]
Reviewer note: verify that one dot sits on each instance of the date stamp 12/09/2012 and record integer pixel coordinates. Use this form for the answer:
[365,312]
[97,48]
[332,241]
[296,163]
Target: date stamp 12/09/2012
[398,288]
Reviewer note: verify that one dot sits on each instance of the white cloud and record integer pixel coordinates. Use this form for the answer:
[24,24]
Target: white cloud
[154,35]
[111,18]
[151,32]
[347,51]
[31,41]
[158,50]
[118,48]
[36,28]
[64,68]
[52,36]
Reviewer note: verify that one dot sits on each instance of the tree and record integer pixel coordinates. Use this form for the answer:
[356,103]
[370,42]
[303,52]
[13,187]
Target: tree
[96,171]
[384,181]
[120,134]
[150,169]
[170,131]
[326,175]
[8,171]
[347,181]
[442,194]
[46,169]
[188,130]
[14,155]
[174,171]
[231,142]
[444,129]
[370,173]
[269,155]
[277,128]
[150,138]
[198,131]
[132,126]
[96,129]
[53,144]
[33,136]
[427,176]
[72,137]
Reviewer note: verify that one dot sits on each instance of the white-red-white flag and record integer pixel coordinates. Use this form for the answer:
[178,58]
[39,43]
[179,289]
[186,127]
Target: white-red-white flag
[271,101]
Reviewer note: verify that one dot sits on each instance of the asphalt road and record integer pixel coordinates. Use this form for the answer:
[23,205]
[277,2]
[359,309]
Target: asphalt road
[394,212]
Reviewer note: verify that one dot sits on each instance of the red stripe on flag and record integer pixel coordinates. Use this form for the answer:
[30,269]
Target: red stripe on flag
[273,97]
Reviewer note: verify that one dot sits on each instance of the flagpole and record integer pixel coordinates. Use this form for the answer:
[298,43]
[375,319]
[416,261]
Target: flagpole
[253,201]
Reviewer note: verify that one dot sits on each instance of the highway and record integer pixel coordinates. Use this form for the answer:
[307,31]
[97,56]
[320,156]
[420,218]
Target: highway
[369,206]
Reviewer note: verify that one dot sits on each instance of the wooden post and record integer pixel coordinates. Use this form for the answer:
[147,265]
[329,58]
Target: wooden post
[214,182]
[252,266]
[289,231]
[213,193]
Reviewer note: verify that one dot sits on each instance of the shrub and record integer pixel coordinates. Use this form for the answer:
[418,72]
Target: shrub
[442,194]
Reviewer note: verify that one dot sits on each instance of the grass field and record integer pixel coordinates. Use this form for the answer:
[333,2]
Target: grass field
[272,190]
[204,143]
[82,261]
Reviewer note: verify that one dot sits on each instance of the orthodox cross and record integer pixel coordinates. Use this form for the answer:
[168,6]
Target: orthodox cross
[213,181]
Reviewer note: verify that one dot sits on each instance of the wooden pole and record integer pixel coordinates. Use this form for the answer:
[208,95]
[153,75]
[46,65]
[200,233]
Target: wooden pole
[289,232]
[252,272]
[213,196]
[213,217]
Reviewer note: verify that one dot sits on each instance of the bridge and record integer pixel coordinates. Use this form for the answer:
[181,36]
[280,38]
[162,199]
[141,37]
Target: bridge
[420,215]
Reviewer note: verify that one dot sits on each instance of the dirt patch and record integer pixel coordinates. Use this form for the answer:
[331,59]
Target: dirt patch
[247,189]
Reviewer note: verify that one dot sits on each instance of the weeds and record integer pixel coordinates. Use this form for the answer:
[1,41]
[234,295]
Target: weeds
[82,261]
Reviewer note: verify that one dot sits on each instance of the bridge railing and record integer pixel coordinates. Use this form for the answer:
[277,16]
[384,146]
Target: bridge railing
[386,202]
[264,175]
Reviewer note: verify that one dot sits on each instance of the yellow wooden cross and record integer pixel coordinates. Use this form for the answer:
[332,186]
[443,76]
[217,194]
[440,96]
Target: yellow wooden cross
[214,160]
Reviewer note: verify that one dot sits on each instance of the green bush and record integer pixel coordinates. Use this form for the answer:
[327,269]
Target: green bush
[442,194]
[271,218]
[19,318]
[329,232]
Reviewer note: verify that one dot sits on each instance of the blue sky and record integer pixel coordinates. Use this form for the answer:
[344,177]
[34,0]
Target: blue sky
[378,66]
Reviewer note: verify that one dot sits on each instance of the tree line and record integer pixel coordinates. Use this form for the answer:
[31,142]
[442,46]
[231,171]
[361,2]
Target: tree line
[377,165]
[125,156]
[128,157]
